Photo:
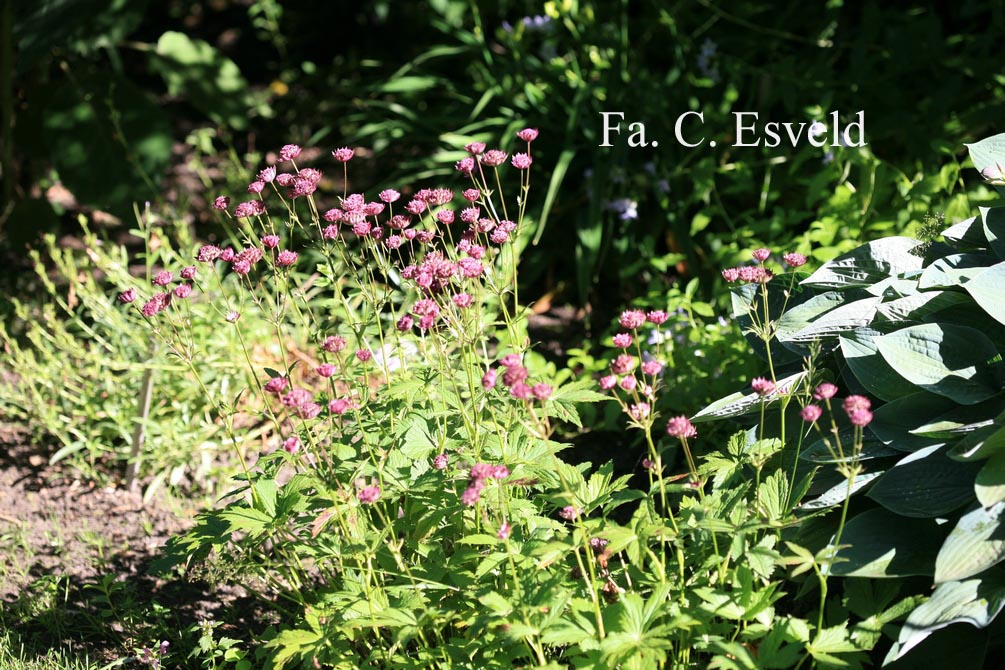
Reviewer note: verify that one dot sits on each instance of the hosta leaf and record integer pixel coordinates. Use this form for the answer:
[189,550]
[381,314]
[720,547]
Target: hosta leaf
[867,264]
[990,481]
[872,447]
[961,420]
[895,422]
[989,152]
[947,359]
[870,368]
[837,493]
[844,318]
[993,220]
[799,317]
[980,444]
[974,601]
[884,544]
[953,270]
[920,305]
[740,403]
[925,484]
[974,545]
[988,290]
[966,234]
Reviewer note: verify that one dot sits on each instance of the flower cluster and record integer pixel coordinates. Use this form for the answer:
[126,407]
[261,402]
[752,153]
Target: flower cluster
[857,408]
[514,377]
[479,475]
[760,274]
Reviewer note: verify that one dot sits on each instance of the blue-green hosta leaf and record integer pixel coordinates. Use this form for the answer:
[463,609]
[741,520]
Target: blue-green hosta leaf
[839,320]
[895,287]
[989,152]
[974,545]
[919,305]
[974,601]
[740,403]
[870,368]
[895,422]
[839,492]
[993,220]
[867,264]
[990,482]
[884,544]
[984,442]
[872,448]
[799,317]
[988,290]
[953,271]
[925,484]
[967,234]
[951,360]
[961,420]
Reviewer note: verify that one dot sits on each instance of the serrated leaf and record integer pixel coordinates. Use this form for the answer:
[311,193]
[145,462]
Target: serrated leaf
[974,545]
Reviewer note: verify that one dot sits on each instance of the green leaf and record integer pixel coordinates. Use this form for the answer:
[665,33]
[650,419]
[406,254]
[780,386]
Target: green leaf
[990,481]
[867,264]
[952,271]
[554,186]
[993,221]
[974,545]
[869,368]
[947,359]
[884,544]
[925,484]
[740,403]
[988,290]
[989,152]
[847,317]
[920,305]
[247,519]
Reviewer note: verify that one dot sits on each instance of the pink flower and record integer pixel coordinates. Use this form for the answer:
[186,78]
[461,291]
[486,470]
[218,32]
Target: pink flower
[504,531]
[183,291]
[647,464]
[475,148]
[811,413]
[163,278]
[860,417]
[232,316]
[270,241]
[471,194]
[463,300]
[632,319]
[639,411]
[445,216]
[541,391]
[681,427]
[343,155]
[330,232]
[629,383]
[527,134]
[623,340]
[472,494]
[493,157]
[465,165]
[762,386]
[308,410]
[333,344]
[284,179]
[154,305]
[241,266]
[514,375]
[364,355]
[489,379]
[569,512]
[338,406]
[520,391]
[276,385]
[325,370]
[256,187]
[825,391]
[657,317]
[854,402]
[510,360]
[470,214]
[286,258]
[389,195]
[188,272]
[405,323]
[622,364]
[297,397]
[440,462]
[248,209]
[227,255]
[267,175]
[608,382]
[794,260]
[291,445]
[760,255]
[333,215]
[289,152]
[731,274]
[369,494]
[652,368]
[127,296]
[499,472]
[521,161]
[221,203]
[208,253]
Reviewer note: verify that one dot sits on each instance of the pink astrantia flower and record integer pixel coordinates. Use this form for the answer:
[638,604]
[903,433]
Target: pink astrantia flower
[811,413]
[623,340]
[528,134]
[183,291]
[440,462]
[241,266]
[504,531]
[333,215]
[521,161]
[270,241]
[308,410]
[860,417]
[493,157]
[338,406]
[825,391]
[297,397]
[248,209]
[475,148]
[325,370]
[541,391]
[854,402]
[632,319]
[276,385]
[760,255]
[471,194]
[289,152]
[472,495]
[330,232]
[657,317]
[569,512]
[333,344]
[291,445]
[465,165]
[629,383]
[343,155]
[731,274]
[155,304]
[639,411]
[286,258]
[445,216]
[794,260]
[127,296]
[363,355]
[463,300]
[267,175]
[622,364]
[227,255]
[389,195]
[232,316]
[221,203]
[681,427]
[405,323]
[188,272]
[520,391]
[762,386]
[652,368]
[208,253]
[163,278]
[285,179]
[608,382]
[256,187]
[369,494]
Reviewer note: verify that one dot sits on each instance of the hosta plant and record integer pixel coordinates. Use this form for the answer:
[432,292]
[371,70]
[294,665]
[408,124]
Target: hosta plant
[915,329]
